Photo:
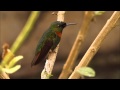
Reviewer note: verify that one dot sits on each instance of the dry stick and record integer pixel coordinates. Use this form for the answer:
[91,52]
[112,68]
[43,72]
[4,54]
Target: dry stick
[46,73]
[96,44]
[67,69]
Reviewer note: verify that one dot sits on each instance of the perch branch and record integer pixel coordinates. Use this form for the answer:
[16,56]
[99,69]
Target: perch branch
[46,73]
[26,30]
[110,24]
[68,66]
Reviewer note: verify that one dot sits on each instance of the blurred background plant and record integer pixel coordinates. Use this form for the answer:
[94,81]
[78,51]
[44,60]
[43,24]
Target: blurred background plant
[107,58]
[8,63]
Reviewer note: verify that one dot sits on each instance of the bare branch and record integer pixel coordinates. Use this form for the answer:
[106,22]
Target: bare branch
[110,24]
[67,69]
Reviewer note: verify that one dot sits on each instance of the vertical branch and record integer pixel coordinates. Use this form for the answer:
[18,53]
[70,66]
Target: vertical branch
[67,69]
[61,16]
[110,24]
[46,73]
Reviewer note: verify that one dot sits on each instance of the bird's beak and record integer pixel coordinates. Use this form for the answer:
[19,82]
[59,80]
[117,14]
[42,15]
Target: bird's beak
[70,24]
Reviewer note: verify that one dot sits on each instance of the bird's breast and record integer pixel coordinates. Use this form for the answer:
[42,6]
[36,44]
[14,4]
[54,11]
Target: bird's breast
[59,34]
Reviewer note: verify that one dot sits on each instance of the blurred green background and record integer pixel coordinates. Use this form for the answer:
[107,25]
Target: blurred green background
[106,62]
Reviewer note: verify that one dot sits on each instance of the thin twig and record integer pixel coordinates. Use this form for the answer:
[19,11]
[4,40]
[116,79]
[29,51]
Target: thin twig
[110,24]
[26,30]
[68,66]
[46,73]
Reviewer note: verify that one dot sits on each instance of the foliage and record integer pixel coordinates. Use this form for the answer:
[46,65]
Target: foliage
[86,71]
[8,64]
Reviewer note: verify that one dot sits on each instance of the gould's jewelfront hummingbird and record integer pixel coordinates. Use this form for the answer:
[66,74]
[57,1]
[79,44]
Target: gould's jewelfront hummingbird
[49,40]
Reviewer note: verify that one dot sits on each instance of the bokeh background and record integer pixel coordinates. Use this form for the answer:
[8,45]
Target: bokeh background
[106,62]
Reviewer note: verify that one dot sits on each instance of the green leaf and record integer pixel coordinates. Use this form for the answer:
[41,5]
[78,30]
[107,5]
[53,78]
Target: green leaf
[99,12]
[14,61]
[50,75]
[11,70]
[87,71]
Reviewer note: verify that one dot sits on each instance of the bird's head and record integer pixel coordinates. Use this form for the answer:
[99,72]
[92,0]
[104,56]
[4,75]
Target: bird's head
[59,25]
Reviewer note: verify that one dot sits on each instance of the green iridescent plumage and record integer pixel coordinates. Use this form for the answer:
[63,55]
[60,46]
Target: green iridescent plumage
[49,40]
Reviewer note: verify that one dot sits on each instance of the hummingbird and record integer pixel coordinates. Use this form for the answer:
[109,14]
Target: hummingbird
[49,41]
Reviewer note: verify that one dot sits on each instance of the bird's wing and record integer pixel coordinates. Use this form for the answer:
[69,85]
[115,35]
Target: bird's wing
[55,42]
[42,52]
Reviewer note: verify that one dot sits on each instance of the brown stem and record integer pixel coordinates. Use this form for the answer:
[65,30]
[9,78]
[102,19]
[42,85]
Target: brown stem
[110,24]
[67,69]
